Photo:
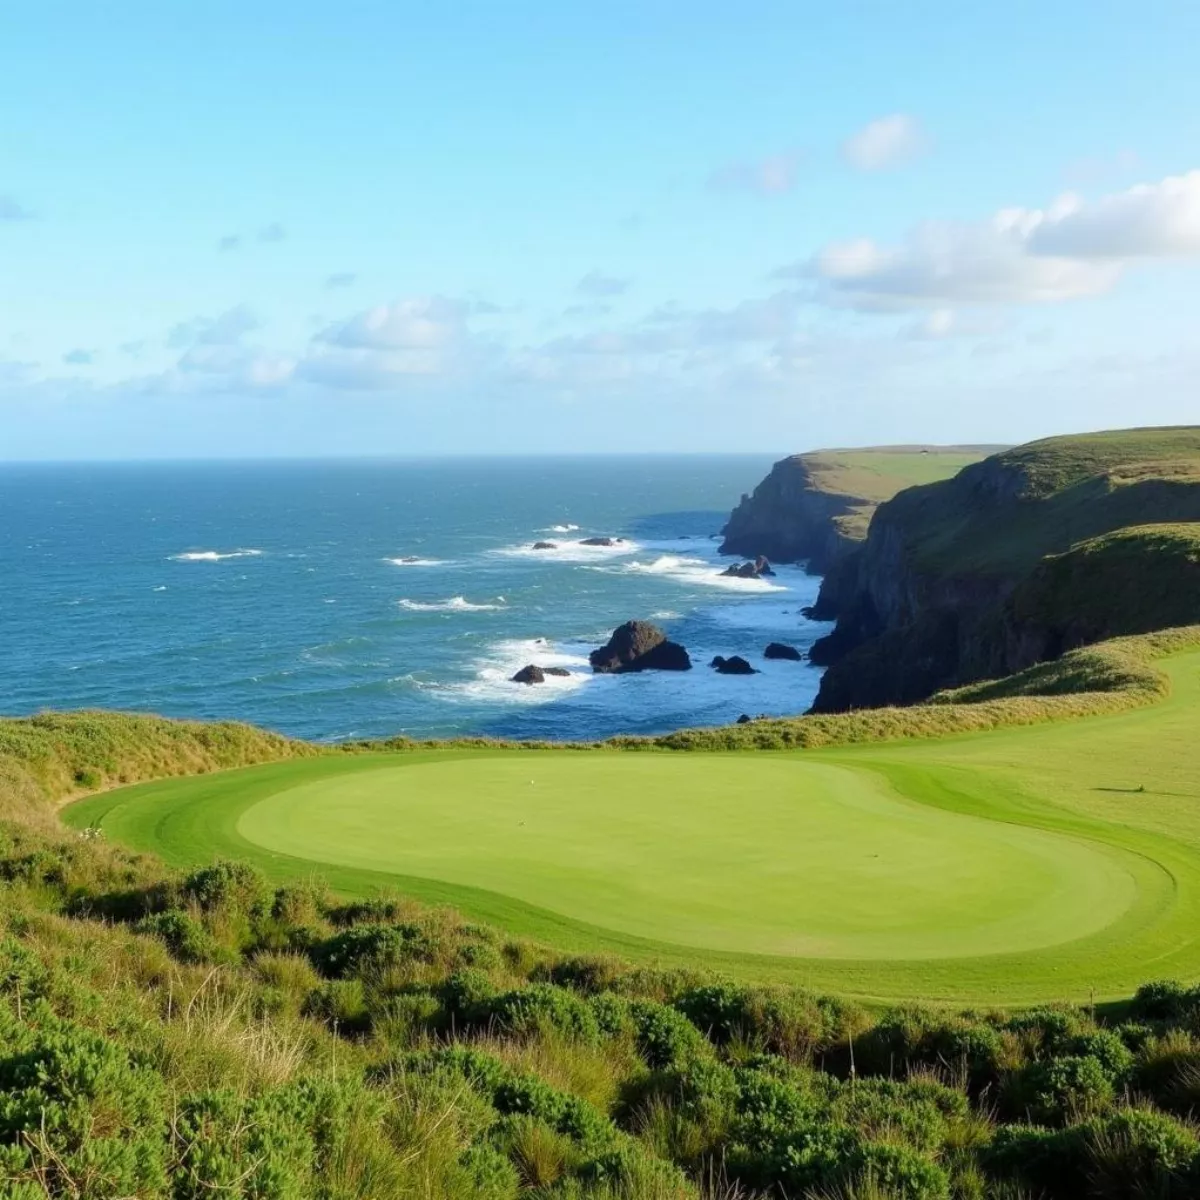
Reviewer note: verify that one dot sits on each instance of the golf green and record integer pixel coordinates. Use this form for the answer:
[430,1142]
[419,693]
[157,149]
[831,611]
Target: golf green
[769,855]
[1024,864]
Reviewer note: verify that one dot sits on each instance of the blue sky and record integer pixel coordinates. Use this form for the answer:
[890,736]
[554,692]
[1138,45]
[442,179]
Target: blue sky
[232,229]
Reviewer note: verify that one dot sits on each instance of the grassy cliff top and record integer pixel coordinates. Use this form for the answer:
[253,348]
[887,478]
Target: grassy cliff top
[1002,515]
[869,476]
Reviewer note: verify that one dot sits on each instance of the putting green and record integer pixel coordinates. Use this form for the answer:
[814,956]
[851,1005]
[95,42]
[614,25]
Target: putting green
[1019,865]
[763,854]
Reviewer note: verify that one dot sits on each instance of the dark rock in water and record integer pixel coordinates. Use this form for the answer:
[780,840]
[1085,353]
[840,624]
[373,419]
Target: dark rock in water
[745,719]
[561,671]
[735,664]
[782,650]
[639,646]
[807,612]
[601,541]
[749,570]
[530,674]
[409,558]
[718,662]
[545,545]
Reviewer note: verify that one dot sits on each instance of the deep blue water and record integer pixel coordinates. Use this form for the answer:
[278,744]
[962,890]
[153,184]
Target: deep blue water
[271,592]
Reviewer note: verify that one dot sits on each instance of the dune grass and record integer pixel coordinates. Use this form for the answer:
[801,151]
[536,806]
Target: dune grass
[1035,858]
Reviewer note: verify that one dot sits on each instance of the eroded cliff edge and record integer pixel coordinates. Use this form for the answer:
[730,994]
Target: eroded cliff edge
[815,508]
[1018,558]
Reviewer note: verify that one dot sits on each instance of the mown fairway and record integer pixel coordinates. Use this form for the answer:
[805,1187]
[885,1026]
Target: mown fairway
[1055,861]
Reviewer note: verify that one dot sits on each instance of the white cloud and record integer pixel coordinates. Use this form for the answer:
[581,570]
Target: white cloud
[420,323]
[1155,220]
[1020,256]
[890,141]
[79,357]
[767,176]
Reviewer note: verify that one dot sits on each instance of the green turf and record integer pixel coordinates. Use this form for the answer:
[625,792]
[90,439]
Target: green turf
[1023,864]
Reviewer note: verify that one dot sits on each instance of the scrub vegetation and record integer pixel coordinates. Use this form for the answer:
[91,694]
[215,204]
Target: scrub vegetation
[241,1028]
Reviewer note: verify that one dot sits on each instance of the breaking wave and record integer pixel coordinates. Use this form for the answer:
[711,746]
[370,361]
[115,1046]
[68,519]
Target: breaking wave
[454,604]
[213,555]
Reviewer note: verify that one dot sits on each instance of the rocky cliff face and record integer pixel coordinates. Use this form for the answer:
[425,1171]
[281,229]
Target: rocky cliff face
[789,518]
[1013,561]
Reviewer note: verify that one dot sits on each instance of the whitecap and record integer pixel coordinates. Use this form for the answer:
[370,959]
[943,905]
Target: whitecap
[695,571]
[213,555]
[162,588]
[454,604]
[410,560]
[559,529]
[502,660]
[570,551]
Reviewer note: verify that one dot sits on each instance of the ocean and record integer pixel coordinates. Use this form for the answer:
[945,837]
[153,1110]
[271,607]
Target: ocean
[354,599]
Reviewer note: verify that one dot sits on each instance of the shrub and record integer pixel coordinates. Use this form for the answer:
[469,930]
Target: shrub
[363,948]
[76,1109]
[233,886]
[467,995]
[1132,1152]
[544,1006]
[1058,1090]
[184,936]
[612,1013]
[665,1037]
[229,1144]
[1108,1050]
[1164,1000]
[1168,1069]
[591,974]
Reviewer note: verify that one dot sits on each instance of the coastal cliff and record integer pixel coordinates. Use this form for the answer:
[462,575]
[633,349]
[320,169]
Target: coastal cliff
[1017,559]
[815,508]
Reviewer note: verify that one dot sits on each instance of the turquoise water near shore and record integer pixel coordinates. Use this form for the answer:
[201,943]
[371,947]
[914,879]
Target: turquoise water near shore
[361,599]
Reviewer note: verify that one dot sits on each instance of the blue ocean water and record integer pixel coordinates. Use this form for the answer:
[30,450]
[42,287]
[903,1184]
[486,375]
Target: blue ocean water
[279,593]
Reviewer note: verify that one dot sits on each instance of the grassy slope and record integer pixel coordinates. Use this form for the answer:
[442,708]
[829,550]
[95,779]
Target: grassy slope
[1078,778]
[1072,488]
[868,477]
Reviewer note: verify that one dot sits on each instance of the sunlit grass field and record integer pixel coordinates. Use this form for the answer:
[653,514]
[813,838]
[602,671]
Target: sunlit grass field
[1053,861]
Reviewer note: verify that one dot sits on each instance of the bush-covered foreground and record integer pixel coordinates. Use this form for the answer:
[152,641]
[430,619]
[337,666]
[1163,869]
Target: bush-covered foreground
[205,1034]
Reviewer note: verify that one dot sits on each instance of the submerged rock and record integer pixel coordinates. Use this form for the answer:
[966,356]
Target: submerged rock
[639,646]
[782,650]
[545,545]
[602,541]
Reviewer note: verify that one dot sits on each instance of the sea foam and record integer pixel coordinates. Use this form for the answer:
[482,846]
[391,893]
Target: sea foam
[503,659]
[412,561]
[213,555]
[570,552]
[454,604]
[695,571]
